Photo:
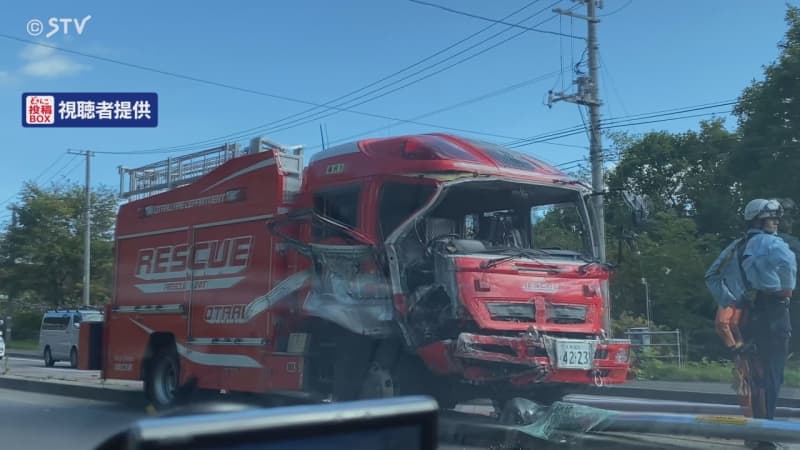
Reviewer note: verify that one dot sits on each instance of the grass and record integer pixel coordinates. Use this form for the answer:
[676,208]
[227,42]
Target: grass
[709,371]
[26,344]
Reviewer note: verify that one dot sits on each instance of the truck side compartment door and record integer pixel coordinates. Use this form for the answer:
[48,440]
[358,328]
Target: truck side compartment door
[349,284]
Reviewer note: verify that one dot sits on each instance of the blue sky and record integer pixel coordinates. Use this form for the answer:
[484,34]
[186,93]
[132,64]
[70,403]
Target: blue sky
[655,56]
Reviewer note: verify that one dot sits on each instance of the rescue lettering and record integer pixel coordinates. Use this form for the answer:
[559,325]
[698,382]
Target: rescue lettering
[218,257]
[224,314]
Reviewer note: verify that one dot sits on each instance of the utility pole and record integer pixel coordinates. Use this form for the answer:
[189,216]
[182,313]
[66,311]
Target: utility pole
[12,289]
[588,96]
[87,211]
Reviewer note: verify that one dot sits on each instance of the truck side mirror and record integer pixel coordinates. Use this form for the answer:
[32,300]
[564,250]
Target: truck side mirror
[640,207]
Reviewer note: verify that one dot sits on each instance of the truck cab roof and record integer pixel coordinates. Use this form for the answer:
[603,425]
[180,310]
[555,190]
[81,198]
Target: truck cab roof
[425,153]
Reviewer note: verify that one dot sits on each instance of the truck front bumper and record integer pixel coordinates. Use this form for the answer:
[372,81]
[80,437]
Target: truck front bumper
[522,361]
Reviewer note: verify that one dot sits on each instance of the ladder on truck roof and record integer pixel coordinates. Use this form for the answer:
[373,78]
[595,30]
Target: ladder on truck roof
[162,176]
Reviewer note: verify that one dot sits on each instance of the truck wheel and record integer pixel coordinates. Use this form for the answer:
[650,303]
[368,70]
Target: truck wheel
[161,380]
[73,358]
[378,382]
[48,358]
[348,371]
[359,373]
[389,373]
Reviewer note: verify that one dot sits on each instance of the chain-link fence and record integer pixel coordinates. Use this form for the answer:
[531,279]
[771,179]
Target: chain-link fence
[661,345]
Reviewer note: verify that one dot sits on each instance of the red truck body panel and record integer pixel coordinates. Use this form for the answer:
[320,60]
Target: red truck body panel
[201,253]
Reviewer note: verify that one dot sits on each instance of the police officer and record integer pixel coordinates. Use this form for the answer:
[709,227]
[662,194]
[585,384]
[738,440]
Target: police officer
[770,268]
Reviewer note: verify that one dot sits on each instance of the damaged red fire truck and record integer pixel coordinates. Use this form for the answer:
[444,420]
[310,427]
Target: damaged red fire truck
[422,264]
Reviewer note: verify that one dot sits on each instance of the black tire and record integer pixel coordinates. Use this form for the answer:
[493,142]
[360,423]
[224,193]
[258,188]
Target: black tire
[48,357]
[358,371]
[73,358]
[162,378]
[349,369]
[376,369]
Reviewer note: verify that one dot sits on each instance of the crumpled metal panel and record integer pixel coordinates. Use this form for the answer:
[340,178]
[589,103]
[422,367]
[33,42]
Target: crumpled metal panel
[344,293]
[548,422]
[373,317]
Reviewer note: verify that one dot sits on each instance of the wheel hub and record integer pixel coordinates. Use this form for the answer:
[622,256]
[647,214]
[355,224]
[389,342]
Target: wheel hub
[378,383]
[167,383]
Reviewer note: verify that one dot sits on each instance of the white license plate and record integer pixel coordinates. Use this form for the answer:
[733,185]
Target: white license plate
[573,355]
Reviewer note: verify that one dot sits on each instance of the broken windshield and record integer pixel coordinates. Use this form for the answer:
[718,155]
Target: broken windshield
[500,217]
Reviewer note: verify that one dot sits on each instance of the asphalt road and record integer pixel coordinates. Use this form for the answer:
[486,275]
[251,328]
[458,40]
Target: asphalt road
[31,421]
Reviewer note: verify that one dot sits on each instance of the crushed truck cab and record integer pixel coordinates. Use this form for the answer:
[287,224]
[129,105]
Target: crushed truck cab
[415,264]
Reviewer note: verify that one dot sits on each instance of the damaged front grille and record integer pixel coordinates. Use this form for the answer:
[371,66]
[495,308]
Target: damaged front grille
[565,314]
[495,348]
[511,312]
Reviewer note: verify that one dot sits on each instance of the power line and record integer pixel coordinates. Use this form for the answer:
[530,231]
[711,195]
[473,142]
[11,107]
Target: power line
[71,171]
[577,129]
[679,111]
[415,119]
[615,120]
[616,154]
[583,121]
[41,174]
[617,10]
[617,125]
[426,76]
[607,73]
[582,147]
[60,157]
[451,107]
[475,16]
[268,129]
[60,171]
[541,138]
[239,134]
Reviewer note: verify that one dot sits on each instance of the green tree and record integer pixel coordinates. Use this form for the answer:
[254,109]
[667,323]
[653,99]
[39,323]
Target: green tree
[673,259]
[43,252]
[560,227]
[686,177]
[768,112]
[686,173]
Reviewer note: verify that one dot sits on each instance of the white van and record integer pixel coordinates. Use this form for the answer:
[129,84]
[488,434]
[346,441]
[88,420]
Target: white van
[58,337]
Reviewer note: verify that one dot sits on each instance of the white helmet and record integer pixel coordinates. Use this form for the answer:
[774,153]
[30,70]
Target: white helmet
[761,209]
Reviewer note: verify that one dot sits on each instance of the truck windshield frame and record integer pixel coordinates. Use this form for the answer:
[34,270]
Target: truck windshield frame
[469,210]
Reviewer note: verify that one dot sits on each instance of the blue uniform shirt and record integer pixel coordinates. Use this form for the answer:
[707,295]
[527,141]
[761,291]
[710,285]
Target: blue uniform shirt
[769,264]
